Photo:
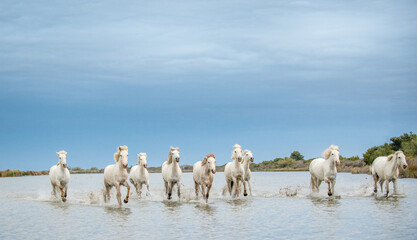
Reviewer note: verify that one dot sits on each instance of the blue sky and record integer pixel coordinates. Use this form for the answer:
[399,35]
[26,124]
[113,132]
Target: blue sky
[273,76]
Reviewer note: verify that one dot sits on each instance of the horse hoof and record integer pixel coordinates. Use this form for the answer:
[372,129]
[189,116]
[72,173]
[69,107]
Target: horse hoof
[125,201]
[64,200]
[245,194]
[330,194]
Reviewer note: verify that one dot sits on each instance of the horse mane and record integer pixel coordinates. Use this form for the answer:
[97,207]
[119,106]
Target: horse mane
[326,153]
[139,155]
[117,154]
[205,159]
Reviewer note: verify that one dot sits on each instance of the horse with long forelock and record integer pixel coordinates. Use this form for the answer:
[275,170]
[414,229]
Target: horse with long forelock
[60,176]
[247,159]
[171,172]
[203,175]
[234,172]
[387,169]
[116,175]
[325,169]
[139,174]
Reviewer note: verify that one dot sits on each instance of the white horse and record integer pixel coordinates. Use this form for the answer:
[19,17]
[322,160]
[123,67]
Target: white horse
[325,169]
[60,176]
[203,174]
[171,172]
[139,174]
[247,159]
[116,175]
[234,171]
[386,169]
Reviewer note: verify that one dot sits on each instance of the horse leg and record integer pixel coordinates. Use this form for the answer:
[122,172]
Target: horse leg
[139,189]
[107,194]
[66,189]
[318,184]
[203,192]
[333,182]
[244,188]
[196,189]
[53,189]
[62,194]
[166,187]
[118,195]
[237,187]
[395,186]
[208,191]
[313,183]
[126,184]
[250,187]
[381,184]
[230,186]
[387,183]
[376,178]
[169,189]
[147,187]
[179,189]
[329,191]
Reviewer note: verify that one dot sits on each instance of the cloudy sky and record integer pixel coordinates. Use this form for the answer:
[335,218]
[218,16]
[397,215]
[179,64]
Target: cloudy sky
[273,76]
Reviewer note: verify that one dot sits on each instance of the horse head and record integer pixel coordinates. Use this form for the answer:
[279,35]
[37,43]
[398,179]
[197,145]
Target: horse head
[142,160]
[121,156]
[237,153]
[210,160]
[399,158]
[332,154]
[62,158]
[248,155]
[174,154]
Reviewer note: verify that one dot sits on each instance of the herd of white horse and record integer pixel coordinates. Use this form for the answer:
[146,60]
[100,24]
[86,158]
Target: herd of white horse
[384,169]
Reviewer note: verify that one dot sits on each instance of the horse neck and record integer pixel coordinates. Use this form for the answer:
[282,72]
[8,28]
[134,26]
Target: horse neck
[237,163]
[206,169]
[331,164]
[60,166]
[393,165]
[141,168]
[246,163]
[174,165]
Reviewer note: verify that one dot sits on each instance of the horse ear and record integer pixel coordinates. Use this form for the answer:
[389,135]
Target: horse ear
[390,157]
[233,156]
[177,148]
[57,153]
[171,148]
[138,154]
[116,157]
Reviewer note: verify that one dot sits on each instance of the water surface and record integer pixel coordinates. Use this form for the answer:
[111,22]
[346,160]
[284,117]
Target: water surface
[281,206]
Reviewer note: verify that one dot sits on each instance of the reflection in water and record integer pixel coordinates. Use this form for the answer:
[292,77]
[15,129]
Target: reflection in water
[172,206]
[121,213]
[205,209]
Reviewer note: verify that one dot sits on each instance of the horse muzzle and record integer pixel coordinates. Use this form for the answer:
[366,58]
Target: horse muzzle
[64,165]
[405,166]
[124,165]
[145,165]
[251,159]
[213,171]
[177,159]
[338,163]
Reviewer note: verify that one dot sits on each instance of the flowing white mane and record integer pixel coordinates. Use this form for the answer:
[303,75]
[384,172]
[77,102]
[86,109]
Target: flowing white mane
[326,153]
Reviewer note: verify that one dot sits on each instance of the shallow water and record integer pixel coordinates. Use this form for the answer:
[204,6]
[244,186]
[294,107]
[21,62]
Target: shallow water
[281,206]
